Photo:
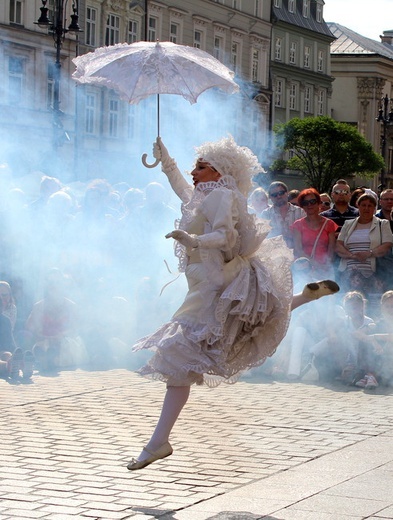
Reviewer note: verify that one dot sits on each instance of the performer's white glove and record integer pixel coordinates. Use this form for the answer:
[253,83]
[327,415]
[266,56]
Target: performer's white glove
[187,240]
[160,151]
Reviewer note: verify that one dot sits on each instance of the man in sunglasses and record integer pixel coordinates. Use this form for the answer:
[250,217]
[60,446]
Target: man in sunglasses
[341,210]
[282,214]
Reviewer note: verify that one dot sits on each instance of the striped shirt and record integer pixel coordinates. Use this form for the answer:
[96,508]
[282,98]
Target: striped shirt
[360,241]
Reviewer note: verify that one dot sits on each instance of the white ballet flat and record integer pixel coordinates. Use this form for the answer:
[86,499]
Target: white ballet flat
[163,451]
[316,290]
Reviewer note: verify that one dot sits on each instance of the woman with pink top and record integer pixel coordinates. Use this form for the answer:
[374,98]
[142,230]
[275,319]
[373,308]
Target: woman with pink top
[314,235]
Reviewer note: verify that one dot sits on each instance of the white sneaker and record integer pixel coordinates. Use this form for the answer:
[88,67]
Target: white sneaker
[371,383]
[362,382]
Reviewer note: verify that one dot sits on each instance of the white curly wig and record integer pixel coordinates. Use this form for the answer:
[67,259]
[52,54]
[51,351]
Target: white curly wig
[228,158]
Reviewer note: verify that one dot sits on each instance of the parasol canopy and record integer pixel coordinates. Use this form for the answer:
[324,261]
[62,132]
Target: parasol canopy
[141,69]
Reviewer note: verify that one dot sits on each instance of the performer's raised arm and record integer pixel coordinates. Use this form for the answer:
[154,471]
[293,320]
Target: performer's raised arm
[169,166]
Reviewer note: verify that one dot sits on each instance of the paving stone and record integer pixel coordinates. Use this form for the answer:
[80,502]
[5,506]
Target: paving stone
[22,513]
[67,440]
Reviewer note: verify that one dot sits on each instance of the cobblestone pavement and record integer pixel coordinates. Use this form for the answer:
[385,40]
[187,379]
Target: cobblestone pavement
[65,441]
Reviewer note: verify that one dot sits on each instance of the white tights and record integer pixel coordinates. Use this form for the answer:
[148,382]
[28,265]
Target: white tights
[174,401]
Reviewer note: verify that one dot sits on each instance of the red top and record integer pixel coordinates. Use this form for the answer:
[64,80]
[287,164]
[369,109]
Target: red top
[308,237]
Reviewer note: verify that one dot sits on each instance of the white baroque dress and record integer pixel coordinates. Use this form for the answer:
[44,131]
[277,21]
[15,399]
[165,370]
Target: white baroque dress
[237,308]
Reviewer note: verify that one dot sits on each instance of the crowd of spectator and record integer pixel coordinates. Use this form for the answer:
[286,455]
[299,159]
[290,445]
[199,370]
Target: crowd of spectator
[85,271]
[346,236]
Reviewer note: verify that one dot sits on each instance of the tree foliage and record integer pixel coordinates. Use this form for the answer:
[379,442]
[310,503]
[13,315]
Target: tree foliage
[326,150]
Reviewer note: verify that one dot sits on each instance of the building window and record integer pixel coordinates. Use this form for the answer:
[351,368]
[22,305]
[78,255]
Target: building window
[235,56]
[152,30]
[307,100]
[321,61]
[293,96]
[321,102]
[113,117]
[15,80]
[292,53]
[131,122]
[91,26]
[278,49]
[218,50]
[277,3]
[51,9]
[112,34]
[174,32]
[279,93]
[90,114]
[319,13]
[133,31]
[306,8]
[50,85]
[255,61]
[198,37]
[307,56]
[16,12]
[291,6]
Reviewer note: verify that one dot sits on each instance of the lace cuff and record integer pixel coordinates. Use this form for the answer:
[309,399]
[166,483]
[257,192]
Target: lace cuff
[214,240]
[169,166]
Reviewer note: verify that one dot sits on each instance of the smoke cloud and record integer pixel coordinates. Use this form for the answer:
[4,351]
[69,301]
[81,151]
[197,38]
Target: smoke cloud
[103,228]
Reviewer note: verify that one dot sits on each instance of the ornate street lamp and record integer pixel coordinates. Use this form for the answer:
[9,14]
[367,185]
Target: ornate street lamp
[385,117]
[57,28]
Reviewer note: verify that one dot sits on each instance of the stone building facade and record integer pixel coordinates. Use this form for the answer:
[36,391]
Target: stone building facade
[363,71]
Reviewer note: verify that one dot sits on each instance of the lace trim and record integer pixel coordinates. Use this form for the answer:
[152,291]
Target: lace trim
[223,182]
[237,331]
[252,231]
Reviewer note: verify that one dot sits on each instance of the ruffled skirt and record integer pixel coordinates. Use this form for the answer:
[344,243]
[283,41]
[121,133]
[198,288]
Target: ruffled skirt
[222,330]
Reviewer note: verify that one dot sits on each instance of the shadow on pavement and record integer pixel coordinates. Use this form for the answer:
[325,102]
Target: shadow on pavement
[224,515]
[334,386]
[228,515]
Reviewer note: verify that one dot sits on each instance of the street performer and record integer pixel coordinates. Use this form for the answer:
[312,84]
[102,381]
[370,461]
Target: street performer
[239,299]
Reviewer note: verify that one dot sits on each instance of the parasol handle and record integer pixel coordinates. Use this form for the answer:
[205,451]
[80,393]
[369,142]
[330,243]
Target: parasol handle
[144,157]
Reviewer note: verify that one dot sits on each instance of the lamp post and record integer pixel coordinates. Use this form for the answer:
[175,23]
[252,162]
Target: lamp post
[58,30]
[385,117]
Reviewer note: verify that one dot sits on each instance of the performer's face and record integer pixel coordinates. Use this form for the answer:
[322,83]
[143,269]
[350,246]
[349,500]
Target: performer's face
[203,172]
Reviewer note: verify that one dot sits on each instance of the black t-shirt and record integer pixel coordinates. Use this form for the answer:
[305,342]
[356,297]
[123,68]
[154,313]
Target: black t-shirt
[339,218]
